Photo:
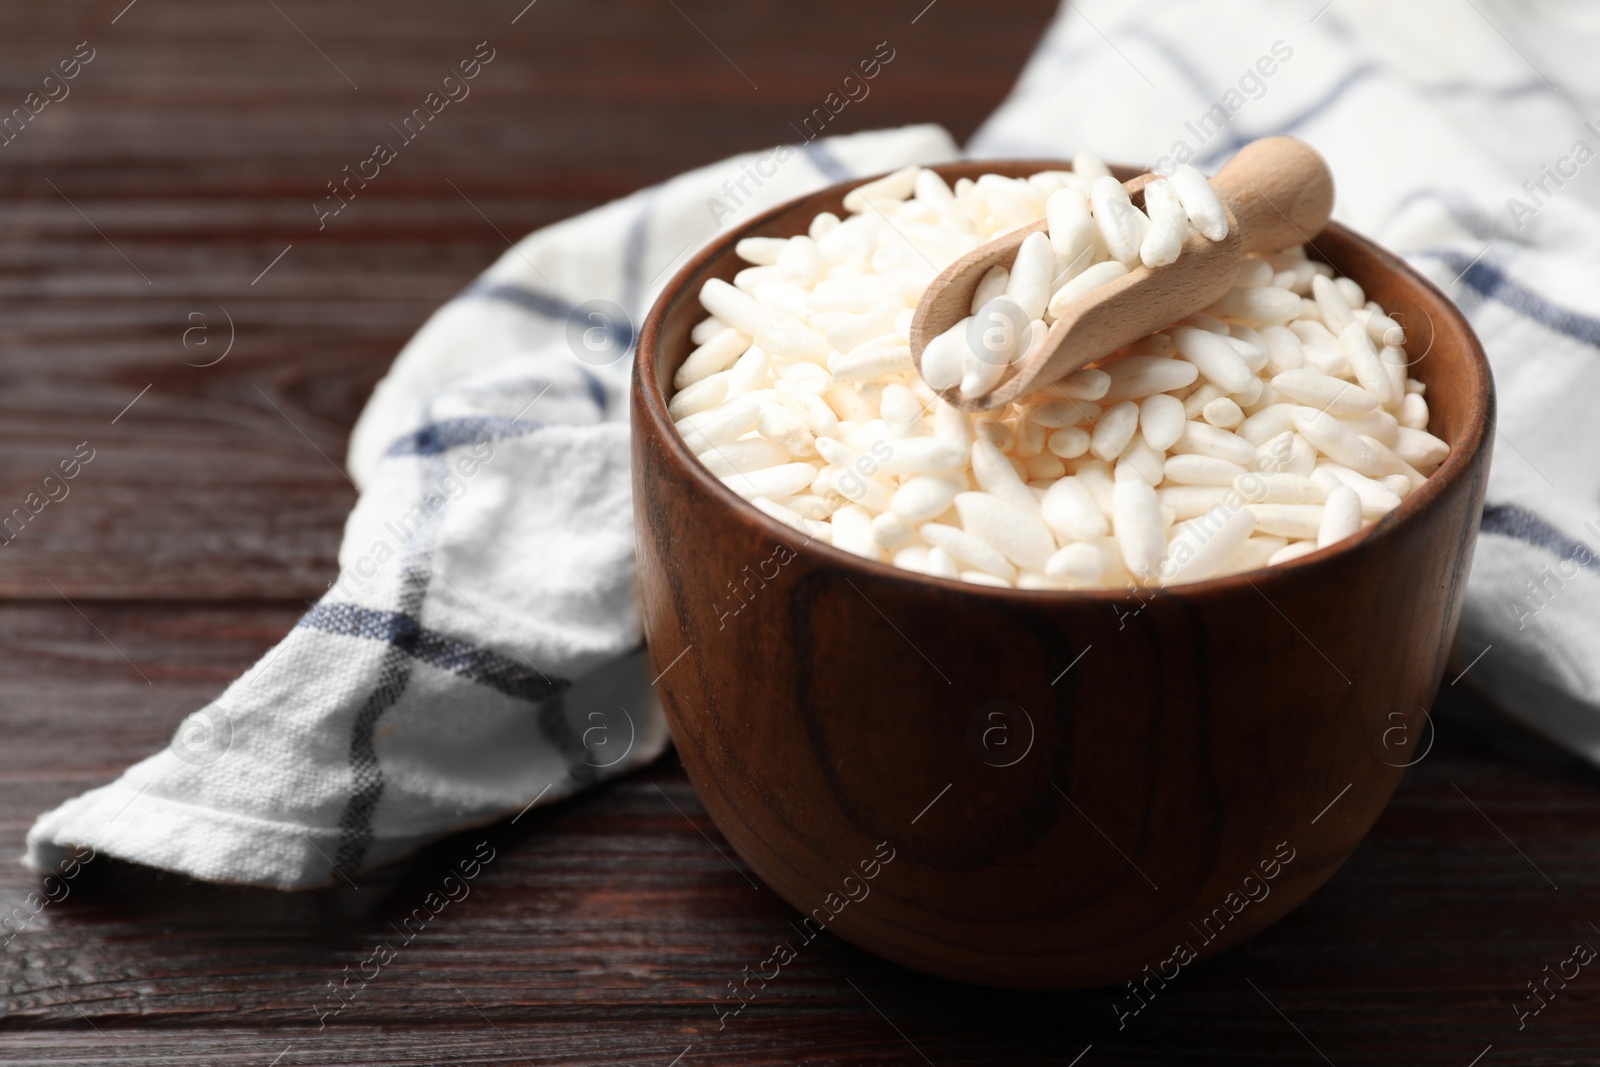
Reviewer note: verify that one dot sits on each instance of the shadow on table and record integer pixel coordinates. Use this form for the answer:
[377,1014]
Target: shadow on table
[109,889]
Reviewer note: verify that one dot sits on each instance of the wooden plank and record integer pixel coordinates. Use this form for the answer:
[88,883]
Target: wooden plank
[861,1039]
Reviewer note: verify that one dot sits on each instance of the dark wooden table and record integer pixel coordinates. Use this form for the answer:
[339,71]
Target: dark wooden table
[176,178]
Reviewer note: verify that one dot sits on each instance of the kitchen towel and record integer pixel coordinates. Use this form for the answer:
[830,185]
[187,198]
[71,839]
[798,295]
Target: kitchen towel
[480,652]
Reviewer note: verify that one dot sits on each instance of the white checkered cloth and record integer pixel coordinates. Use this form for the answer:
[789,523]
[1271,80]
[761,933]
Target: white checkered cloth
[480,652]
[492,660]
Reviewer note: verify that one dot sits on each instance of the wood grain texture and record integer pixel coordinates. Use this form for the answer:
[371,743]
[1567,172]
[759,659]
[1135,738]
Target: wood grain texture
[604,928]
[196,140]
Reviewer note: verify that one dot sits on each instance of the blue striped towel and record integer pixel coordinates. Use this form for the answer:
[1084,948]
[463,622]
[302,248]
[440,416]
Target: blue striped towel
[479,651]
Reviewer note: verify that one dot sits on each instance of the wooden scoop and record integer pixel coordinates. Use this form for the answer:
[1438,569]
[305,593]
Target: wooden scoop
[1277,192]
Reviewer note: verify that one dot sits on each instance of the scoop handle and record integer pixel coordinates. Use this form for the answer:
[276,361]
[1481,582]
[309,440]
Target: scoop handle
[1280,191]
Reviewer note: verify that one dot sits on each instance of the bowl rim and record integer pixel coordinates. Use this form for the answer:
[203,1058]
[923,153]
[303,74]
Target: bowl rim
[652,403]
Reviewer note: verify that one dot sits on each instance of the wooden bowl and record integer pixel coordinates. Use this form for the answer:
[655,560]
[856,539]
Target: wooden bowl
[1046,789]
